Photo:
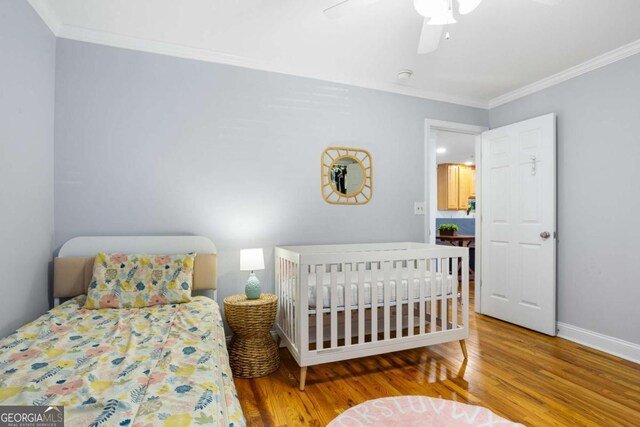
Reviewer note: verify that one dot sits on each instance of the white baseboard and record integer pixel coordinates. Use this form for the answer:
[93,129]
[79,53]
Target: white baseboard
[617,347]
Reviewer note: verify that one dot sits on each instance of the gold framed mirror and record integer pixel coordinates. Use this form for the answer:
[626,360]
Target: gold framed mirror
[346,176]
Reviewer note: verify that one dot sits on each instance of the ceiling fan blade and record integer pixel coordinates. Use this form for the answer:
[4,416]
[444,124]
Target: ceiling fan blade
[548,2]
[429,37]
[345,7]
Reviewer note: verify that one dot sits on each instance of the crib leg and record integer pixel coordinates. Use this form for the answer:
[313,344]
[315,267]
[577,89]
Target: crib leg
[463,346]
[303,377]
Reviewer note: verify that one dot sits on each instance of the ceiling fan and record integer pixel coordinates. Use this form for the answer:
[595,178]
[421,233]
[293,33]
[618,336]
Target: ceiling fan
[437,14]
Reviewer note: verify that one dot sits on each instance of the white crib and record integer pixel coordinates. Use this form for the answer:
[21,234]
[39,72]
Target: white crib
[339,302]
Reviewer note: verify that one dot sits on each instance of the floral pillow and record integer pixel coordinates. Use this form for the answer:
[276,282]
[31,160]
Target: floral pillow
[139,280]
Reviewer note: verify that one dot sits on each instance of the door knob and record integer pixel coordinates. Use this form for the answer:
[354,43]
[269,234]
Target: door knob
[545,235]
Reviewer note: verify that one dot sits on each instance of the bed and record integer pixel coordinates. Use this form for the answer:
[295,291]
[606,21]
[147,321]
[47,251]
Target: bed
[375,298]
[160,365]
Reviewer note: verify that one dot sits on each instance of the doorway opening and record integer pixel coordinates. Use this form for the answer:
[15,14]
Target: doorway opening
[452,188]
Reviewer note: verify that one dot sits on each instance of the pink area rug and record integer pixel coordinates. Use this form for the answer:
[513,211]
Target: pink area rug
[413,411]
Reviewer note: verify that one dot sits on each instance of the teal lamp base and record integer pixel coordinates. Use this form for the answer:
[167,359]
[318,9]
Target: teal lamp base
[252,289]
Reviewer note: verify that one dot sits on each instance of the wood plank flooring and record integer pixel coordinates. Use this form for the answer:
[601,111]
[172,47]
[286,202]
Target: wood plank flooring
[519,374]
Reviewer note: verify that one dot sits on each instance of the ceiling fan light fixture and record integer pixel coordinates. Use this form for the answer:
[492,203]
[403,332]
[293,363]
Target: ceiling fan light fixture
[468,6]
[431,8]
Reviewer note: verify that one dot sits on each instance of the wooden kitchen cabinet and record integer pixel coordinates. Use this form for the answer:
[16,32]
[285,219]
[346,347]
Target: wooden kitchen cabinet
[472,192]
[456,184]
[448,187]
[464,186]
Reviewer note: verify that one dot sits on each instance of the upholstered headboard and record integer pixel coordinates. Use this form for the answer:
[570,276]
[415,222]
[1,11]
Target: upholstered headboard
[73,268]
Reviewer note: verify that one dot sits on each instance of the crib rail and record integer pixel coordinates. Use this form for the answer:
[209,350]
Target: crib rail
[340,305]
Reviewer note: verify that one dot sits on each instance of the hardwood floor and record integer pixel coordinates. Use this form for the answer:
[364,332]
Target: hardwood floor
[519,374]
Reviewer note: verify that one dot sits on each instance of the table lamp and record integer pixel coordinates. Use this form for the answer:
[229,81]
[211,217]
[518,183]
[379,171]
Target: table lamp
[252,260]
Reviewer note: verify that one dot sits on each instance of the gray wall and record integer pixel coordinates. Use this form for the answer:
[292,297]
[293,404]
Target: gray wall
[27,58]
[598,196]
[150,144]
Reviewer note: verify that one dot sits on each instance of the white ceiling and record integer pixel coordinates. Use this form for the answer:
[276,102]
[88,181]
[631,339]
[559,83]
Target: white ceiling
[460,147]
[502,46]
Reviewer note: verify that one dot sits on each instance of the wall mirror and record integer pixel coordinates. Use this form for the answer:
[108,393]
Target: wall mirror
[346,176]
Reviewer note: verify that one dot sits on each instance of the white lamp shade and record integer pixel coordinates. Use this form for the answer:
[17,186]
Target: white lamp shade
[251,259]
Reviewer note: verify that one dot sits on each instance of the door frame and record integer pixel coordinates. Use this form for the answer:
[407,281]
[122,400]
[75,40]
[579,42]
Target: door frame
[431,185]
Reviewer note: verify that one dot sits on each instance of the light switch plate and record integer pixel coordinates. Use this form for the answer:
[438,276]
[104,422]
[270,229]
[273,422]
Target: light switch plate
[418,208]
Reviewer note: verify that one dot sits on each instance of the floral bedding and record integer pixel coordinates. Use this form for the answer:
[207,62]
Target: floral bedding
[161,365]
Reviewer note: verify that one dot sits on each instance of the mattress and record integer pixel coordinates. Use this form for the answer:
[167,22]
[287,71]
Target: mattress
[404,289]
[161,365]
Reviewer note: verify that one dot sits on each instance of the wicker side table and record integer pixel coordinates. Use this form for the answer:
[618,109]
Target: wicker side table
[252,352]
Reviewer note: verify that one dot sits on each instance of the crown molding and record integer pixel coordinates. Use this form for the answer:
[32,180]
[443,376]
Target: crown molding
[570,73]
[47,14]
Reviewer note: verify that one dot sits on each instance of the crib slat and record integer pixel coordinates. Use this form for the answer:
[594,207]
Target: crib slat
[454,295]
[412,274]
[347,304]
[277,263]
[334,305]
[386,287]
[288,293]
[285,294]
[291,298]
[319,305]
[373,287]
[443,292]
[290,283]
[361,310]
[302,340]
[465,291]
[296,302]
[434,294]
[422,266]
[400,288]
[283,291]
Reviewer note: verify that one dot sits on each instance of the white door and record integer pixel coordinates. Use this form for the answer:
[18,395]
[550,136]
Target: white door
[519,223]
